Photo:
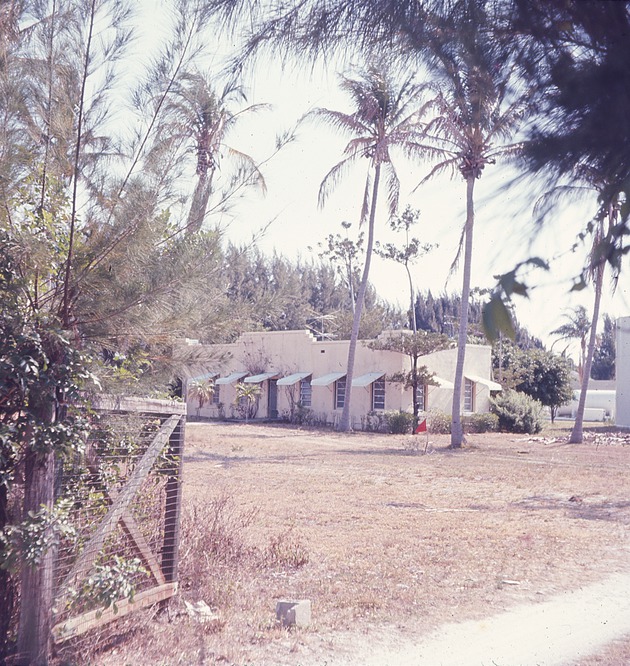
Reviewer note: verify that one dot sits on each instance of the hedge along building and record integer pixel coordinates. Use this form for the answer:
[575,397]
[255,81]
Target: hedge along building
[295,370]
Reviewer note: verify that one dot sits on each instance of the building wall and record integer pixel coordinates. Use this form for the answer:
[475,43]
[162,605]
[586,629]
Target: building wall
[622,371]
[288,352]
[599,406]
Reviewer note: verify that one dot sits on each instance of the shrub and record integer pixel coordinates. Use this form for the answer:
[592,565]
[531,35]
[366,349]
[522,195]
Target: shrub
[285,550]
[439,423]
[486,422]
[302,416]
[375,422]
[399,423]
[517,412]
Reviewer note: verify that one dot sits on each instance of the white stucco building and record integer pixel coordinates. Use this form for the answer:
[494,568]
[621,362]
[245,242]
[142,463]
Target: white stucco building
[622,372]
[294,367]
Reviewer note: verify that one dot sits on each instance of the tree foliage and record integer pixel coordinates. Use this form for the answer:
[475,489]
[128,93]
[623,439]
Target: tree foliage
[272,292]
[542,375]
[95,265]
[414,345]
[604,356]
[577,327]
[517,412]
[407,254]
[345,255]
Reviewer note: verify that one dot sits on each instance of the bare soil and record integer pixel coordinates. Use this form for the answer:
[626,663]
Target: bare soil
[387,544]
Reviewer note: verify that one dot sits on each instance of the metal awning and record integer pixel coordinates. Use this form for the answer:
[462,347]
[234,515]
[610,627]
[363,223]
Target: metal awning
[327,380]
[442,383]
[230,379]
[206,375]
[492,386]
[289,380]
[367,379]
[258,379]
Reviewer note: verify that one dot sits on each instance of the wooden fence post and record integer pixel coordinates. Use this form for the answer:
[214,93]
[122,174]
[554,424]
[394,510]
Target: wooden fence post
[170,549]
[36,590]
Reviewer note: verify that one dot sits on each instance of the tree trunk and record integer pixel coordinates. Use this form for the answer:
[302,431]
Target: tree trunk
[6,582]
[199,204]
[414,326]
[577,432]
[36,590]
[344,423]
[414,388]
[457,431]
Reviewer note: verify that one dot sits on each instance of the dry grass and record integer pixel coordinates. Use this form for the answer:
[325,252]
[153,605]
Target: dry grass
[381,541]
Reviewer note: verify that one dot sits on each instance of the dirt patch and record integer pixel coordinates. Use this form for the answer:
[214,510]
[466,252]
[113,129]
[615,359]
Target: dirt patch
[388,546]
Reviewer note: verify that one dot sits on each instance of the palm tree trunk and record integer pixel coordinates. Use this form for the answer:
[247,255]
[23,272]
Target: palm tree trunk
[577,432]
[414,326]
[457,431]
[199,204]
[344,423]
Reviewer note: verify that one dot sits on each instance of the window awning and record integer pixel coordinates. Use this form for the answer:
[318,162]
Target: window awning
[258,379]
[289,380]
[367,379]
[230,379]
[492,386]
[442,383]
[327,380]
[206,375]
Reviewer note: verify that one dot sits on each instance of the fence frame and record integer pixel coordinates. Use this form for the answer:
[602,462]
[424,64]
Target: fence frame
[164,572]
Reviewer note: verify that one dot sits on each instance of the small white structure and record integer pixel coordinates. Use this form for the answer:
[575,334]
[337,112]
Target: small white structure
[622,372]
[600,403]
[295,370]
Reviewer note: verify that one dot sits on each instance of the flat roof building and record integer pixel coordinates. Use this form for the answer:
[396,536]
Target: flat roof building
[296,371]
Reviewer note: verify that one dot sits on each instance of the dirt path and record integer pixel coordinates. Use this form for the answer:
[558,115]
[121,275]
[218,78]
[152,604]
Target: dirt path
[556,632]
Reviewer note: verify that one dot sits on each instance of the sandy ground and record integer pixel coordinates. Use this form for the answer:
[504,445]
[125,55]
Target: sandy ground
[556,632]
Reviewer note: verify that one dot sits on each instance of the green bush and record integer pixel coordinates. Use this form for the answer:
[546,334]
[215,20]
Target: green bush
[517,412]
[439,423]
[486,422]
[399,423]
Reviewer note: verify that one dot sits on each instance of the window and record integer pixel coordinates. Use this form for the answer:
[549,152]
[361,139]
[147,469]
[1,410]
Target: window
[216,399]
[422,396]
[340,393]
[306,392]
[469,395]
[378,393]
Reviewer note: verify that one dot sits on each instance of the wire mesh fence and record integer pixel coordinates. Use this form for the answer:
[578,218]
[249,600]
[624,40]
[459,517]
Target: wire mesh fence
[116,519]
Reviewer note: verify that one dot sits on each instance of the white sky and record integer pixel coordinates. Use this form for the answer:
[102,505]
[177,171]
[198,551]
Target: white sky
[503,228]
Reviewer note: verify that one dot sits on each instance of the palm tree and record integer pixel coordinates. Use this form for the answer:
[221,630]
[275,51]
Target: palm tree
[475,118]
[247,397]
[386,116]
[603,244]
[605,248]
[203,117]
[202,390]
[577,327]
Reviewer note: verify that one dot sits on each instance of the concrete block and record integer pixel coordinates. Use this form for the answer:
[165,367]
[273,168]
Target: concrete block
[294,613]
